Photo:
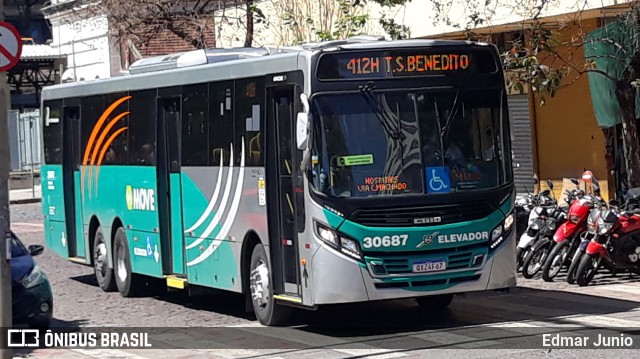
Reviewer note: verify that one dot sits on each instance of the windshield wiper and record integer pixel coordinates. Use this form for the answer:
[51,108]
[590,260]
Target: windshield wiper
[380,113]
[454,110]
[385,119]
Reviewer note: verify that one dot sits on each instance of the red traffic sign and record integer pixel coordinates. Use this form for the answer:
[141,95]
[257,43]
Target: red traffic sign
[10,46]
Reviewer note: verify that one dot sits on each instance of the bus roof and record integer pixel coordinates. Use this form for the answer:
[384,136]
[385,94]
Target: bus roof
[225,64]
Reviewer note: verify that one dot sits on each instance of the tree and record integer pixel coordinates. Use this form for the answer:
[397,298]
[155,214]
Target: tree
[303,21]
[539,59]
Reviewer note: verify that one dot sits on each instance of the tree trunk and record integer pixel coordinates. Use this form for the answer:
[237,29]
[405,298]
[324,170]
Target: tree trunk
[248,40]
[626,95]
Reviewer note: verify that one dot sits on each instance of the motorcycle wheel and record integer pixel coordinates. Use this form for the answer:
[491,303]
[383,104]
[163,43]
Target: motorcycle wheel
[534,261]
[573,267]
[555,261]
[587,269]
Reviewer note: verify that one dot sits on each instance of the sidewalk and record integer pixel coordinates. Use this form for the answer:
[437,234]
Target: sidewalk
[19,196]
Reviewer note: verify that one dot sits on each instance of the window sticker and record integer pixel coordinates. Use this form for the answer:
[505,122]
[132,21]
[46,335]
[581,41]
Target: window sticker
[355,160]
[438,179]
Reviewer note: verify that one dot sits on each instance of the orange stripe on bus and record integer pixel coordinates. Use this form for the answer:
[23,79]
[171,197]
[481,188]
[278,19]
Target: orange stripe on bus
[104,151]
[94,133]
[96,148]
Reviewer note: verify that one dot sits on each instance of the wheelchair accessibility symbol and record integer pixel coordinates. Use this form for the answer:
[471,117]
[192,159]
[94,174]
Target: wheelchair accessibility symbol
[438,180]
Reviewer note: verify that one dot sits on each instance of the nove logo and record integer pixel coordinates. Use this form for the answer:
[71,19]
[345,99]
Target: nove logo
[140,199]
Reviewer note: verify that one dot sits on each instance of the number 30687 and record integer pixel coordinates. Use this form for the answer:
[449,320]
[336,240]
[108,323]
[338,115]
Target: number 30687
[385,241]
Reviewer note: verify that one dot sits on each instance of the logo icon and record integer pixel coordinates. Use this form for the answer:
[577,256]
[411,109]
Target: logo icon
[427,220]
[21,338]
[129,198]
[427,239]
[149,250]
[438,179]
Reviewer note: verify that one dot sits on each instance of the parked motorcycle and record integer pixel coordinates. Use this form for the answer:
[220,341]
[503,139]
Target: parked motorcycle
[566,239]
[523,207]
[544,203]
[541,245]
[617,245]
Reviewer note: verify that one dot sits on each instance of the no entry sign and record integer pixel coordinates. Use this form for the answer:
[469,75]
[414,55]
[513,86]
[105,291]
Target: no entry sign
[10,46]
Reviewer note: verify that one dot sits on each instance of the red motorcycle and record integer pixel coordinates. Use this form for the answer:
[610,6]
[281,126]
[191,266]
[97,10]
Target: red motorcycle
[567,237]
[617,245]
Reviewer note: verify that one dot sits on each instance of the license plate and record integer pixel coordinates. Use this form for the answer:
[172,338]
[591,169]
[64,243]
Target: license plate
[431,266]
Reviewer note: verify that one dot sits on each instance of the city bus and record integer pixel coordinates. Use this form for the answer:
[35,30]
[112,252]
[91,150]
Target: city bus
[336,172]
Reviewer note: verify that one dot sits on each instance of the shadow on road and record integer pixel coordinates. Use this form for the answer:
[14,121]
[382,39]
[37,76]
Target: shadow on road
[214,301]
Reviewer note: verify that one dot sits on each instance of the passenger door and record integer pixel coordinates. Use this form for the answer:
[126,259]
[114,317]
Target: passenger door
[169,185]
[72,178]
[283,172]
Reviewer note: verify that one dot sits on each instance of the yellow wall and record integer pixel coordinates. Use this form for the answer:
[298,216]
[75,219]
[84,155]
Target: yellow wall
[568,138]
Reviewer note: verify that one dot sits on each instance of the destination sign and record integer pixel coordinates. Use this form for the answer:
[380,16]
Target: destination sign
[402,63]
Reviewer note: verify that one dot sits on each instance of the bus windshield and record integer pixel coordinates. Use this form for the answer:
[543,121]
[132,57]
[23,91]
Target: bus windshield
[407,142]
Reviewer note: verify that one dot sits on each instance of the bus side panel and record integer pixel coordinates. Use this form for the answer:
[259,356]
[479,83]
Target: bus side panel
[53,209]
[209,262]
[132,192]
[216,225]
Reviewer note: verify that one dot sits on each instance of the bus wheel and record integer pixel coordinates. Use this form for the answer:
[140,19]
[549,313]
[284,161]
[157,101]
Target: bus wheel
[128,283]
[435,302]
[104,274]
[267,311]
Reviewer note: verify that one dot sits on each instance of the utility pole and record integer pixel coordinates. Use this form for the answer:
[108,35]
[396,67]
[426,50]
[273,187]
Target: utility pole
[6,316]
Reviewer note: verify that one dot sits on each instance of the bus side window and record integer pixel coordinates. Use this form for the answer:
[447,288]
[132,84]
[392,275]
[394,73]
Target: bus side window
[221,106]
[195,126]
[142,128]
[53,133]
[249,110]
[117,151]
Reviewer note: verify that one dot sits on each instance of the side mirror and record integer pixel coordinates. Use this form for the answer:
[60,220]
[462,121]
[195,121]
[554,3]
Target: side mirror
[549,183]
[36,249]
[575,181]
[302,125]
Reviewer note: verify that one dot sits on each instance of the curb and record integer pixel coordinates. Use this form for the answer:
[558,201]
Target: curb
[25,201]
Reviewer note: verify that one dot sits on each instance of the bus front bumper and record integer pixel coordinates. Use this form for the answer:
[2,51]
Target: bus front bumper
[336,278]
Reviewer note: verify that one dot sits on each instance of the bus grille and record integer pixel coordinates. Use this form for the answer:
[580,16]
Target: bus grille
[407,216]
[404,265]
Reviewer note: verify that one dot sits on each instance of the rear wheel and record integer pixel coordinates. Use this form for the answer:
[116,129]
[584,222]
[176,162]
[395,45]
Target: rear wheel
[555,261]
[104,274]
[267,311]
[435,302]
[587,269]
[129,284]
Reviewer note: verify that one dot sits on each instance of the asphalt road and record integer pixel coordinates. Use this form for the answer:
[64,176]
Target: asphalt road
[515,321]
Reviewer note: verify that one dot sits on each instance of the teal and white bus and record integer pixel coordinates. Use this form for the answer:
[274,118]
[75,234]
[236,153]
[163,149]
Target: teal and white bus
[337,172]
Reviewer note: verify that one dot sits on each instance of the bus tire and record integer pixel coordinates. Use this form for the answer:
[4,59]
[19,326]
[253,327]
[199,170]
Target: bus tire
[129,284]
[104,274]
[267,311]
[435,302]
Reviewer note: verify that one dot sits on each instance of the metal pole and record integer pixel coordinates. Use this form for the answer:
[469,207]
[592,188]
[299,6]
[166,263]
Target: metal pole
[6,316]
[31,141]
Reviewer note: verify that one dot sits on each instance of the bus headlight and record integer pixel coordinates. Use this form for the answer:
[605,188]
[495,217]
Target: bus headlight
[501,232]
[327,234]
[345,245]
[350,247]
